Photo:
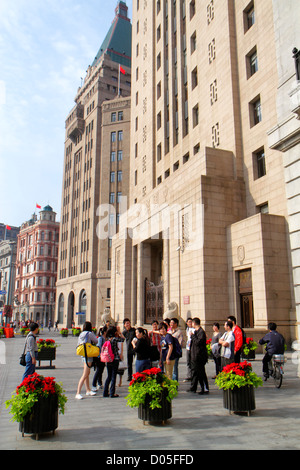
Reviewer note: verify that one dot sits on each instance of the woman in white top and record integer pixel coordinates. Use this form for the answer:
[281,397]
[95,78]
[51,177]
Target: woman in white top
[87,336]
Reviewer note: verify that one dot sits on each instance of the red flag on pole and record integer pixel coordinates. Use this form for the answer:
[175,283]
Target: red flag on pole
[122,70]
[8,227]
[38,207]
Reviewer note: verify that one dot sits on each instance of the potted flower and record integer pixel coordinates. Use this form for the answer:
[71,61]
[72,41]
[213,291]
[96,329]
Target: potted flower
[24,331]
[249,349]
[36,404]
[46,351]
[152,392]
[64,332]
[238,382]
[208,348]
[76,331]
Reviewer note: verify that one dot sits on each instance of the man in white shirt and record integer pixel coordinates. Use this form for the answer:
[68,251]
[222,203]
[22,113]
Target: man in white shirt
[189,331]
[227,345]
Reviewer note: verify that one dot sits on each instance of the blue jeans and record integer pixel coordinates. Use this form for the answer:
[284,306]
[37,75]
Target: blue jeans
[142,364]
[30,368]
[112,369]
[175,370]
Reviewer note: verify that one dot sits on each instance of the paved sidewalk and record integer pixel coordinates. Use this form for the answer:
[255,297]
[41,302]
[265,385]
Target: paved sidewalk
[198,422]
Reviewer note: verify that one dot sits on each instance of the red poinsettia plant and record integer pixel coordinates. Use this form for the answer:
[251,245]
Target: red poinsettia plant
[46,343]
[208,347]
[153,384]
[237,375]
[250,345]
[30,390]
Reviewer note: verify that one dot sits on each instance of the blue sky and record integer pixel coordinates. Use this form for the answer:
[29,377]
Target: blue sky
[46,47]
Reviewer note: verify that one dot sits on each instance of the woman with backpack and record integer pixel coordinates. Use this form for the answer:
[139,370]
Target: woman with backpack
[97,379]
[86,336]
[110,355]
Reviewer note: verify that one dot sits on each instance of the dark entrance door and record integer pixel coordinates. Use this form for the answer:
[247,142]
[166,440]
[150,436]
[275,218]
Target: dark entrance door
[246,298]
[154,301]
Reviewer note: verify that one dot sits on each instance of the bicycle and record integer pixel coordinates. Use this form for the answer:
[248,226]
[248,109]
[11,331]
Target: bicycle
[276,368]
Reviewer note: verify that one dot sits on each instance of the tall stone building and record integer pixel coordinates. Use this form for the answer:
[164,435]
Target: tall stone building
[96,176]
[207,228]
[36,268]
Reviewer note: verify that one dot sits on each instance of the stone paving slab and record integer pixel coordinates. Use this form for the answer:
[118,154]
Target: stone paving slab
[198,422]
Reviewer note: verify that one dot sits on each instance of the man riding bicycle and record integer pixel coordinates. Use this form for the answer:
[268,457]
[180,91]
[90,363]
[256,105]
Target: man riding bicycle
[275,343]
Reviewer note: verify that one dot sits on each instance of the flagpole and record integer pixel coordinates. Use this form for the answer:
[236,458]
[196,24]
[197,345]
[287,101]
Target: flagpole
[119,82]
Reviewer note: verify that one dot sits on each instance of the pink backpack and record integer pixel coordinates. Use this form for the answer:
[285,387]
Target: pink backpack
[107,354]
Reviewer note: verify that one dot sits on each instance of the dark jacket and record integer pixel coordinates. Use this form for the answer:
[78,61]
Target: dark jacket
[142,349]
[198,347]
[275,342]
[129,335]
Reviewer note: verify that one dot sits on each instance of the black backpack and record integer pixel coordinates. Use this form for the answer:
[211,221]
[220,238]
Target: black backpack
[177,351]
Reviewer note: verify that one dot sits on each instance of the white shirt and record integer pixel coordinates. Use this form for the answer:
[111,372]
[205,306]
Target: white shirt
[228,351]
[189,332]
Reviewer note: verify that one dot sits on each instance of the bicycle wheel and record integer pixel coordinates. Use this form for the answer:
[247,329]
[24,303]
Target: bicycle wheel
[277,376]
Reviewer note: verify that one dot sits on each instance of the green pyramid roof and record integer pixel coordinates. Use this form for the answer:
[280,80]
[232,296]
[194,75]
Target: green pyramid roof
[117,43]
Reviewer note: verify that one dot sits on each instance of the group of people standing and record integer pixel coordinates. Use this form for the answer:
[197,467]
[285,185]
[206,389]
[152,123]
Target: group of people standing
[161,346]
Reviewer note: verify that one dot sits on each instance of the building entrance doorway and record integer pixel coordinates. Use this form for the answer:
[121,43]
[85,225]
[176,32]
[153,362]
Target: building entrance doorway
[71,303]
[246,298]
[154,284]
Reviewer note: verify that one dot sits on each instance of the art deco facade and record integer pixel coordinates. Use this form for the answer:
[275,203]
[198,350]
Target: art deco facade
[36,268]
[208,224]
[96,176]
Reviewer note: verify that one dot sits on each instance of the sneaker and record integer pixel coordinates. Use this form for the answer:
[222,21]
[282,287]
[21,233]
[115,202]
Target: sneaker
[94,389]
[90,393]
[78,396]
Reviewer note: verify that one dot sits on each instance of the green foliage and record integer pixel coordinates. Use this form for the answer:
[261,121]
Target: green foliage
[28,393]
[151,385]
[237,375]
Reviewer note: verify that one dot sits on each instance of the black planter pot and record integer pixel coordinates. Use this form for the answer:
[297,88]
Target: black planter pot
[157,414]
[240,400]
[42,418]
[250,356]
[47,354]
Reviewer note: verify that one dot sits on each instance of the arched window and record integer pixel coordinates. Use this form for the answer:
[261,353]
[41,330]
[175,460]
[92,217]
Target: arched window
[82,307]
[61,302]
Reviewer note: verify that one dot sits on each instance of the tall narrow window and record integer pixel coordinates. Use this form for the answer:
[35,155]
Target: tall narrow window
[259,164]
[255,111]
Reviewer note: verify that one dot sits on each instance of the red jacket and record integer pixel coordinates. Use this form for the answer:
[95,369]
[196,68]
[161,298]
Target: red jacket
[238,334]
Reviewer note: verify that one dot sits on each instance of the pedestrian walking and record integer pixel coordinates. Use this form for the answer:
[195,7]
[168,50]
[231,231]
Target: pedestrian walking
[100,366]
[86,336]
[31,350]
[199,358]
[115,336]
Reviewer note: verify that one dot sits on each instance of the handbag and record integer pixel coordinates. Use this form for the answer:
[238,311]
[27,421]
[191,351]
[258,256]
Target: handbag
[23,356]
[87,350]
